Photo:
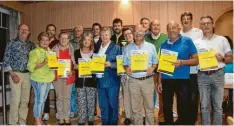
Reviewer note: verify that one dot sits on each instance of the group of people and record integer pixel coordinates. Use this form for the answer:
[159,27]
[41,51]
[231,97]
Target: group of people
[27,65]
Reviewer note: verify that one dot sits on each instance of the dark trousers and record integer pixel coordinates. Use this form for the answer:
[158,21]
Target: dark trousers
[180,87]
[193,99]
[47,103]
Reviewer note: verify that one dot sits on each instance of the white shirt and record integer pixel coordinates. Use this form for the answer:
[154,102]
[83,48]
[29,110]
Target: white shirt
[102,50]
[83,55]
[193,33]
[155,37]
[220,45]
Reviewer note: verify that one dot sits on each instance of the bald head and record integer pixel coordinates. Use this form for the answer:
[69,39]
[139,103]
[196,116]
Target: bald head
[155,27]
[173,30]
[139,33]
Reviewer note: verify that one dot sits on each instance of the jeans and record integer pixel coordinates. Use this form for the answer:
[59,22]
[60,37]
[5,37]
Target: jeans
[41,91]
[211,89]
[73,99]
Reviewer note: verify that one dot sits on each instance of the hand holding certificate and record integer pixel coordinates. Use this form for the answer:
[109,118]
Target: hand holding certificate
[166,61]
[84,67]
[119,61]
[98,63]
[139,60]
[207,60]
[64,68]
[52,60]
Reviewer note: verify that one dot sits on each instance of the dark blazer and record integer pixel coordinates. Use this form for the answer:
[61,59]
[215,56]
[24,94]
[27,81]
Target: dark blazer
[80,82]
[110,79]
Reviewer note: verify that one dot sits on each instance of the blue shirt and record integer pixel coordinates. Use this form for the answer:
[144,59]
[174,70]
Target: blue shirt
[229,67]
[17,54]
[185,48]
[152,56]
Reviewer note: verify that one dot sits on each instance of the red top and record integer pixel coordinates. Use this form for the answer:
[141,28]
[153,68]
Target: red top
[64,54]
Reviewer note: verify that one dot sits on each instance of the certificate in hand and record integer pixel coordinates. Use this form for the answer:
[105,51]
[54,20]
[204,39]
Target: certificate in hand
[139,60]
[64,66]
[119,61]
[98,63]
[52,60]
[207,60]
[166,60]
[85,67]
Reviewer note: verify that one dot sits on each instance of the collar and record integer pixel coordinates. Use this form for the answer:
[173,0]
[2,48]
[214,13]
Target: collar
[18,39]
[155,37]
[171,43]
[213,36]
[142,44]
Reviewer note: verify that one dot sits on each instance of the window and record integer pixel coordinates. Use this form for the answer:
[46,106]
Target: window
[4,32]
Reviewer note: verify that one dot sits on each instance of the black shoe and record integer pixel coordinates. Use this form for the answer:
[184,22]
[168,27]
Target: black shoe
[90,123]
[127,121]
[161,123]
[81,123]
[177,122]
[61,123]
[143,120]
[67,123]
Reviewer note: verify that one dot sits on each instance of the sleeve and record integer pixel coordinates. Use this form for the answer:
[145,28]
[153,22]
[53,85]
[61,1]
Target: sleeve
[118,52]
[126,56]
[7,57]
[226,47]
[32,62]
[154,56]
[192,48]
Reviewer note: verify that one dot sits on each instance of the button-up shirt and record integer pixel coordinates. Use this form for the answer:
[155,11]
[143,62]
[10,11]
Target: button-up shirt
[75,44]
[16,55]
[152,56]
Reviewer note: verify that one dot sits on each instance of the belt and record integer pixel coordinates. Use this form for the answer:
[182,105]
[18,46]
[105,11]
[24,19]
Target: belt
[141,78]
[25,71]
[211,71]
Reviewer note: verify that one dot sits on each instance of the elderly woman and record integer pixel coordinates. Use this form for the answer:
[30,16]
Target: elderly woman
[109,83]
[41,75]
[63,85]
[86,87]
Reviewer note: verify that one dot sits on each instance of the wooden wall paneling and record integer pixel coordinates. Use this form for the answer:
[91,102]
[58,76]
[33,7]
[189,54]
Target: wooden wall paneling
[125,12]
[136,12]
[163,13]
[145,9]
[227,4]
[86,9]
[105,13]
[172,9]
[198,12]
[180,9]
[74,13]
[55,14]
[112,12]
[217,8]
[97,13]
[36,17]
[190,6]
[154,10]
[208,8]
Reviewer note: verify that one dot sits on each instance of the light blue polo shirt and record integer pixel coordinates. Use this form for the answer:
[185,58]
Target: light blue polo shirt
[185,48]
[152,57]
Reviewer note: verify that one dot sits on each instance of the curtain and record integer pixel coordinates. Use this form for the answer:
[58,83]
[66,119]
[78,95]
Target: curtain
[14,22]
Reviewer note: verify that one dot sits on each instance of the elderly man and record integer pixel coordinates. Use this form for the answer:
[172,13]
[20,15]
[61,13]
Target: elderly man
[157,38]
[15,63]
[117,37]
[141,84]
[77,32]
[193,33]
[211,82]
[179,81]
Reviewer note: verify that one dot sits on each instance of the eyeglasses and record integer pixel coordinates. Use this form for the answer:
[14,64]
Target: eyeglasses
[64,39]
[24,29]
[127,34]
[206,23]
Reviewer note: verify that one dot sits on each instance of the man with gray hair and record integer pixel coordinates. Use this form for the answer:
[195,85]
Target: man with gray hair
[77,33]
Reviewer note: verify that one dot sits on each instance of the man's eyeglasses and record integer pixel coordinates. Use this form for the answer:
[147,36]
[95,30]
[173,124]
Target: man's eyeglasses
[206,23]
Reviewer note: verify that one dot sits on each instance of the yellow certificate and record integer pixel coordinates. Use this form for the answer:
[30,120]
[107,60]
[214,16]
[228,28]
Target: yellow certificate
[139,60]
[52,60]
[84,67]
[166,60]
[98,63]
[64,66]
[207,60]
[119,62]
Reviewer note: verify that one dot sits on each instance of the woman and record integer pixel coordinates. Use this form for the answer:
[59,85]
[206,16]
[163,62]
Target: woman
[41,75]
[128,35]
[109,83]
[86,87]
[63,86]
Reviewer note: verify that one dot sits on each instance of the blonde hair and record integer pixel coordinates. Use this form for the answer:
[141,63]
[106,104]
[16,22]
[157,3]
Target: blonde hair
[84,36]
[66,33]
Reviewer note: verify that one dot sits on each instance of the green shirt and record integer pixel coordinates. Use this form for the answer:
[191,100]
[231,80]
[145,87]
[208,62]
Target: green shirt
[43,74]
[157,42]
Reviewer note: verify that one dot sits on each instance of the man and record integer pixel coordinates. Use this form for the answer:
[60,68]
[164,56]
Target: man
[193,33]
[179,81]
[145,22]
[77,32]
[141,84]
[15,63]
[51,30]
[117,37]
[211,83]
[157,38]
[96,27]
